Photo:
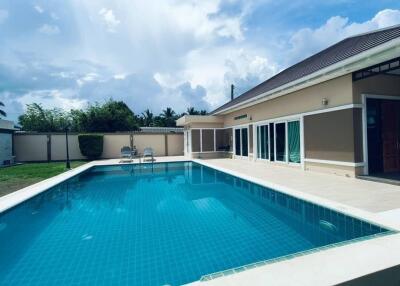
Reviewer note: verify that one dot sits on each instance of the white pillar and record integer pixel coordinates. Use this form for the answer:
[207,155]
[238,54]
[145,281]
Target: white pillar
[302,155]
[215,140]
[201,140]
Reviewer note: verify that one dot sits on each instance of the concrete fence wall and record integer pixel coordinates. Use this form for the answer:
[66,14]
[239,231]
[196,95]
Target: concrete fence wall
[51,147]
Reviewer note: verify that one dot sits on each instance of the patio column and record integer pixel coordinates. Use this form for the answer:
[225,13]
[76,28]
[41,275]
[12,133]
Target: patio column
[215,141]
[201,140]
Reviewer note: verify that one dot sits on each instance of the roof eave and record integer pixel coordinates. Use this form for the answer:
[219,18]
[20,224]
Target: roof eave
[370,57]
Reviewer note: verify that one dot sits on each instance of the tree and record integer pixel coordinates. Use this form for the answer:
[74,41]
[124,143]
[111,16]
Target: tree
[168,117]
[192,111]
[110,117]
[36,118]
[147,118]
[2,112]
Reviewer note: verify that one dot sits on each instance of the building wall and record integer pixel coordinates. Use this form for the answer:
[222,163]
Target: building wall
[331,136]
[205,125]
[156,141]
[30,147]
[113,143]
[338,92]
[34,147]
[6,146]
[58,148]
[378,85]
[175,145]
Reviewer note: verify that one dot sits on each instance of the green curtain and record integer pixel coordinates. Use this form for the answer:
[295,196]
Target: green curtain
[294,141]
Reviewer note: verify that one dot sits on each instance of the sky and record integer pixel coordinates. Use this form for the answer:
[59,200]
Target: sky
[164,53]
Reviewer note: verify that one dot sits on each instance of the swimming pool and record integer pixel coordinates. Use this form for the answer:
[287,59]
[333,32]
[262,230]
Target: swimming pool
[158,224]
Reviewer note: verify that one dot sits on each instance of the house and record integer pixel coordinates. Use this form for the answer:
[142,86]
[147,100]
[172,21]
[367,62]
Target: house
[337,111]
[6,142]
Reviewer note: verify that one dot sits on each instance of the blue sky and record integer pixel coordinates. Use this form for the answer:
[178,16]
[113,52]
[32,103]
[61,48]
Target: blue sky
[154,54]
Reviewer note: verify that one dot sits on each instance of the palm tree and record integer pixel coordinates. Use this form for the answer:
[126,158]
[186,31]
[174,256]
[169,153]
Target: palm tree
[168,116]
[192,111]
[148,117]
[2,112]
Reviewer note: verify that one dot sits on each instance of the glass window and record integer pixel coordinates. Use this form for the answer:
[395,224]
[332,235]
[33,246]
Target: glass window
[271,141]
[195,140]
[263,142]
[294,141]
[280,141]
[245,150]
[237,142]
[208,140]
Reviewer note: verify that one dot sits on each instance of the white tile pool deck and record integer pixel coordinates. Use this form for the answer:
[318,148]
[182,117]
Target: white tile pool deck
[376,202]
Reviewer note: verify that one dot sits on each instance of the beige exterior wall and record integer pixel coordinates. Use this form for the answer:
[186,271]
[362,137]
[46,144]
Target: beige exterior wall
[58,148]
[331,136]
[156,141]
[205,125]
[34,147]
[379,85]
[30,147]
[112,145]
[175,144]
[338,92]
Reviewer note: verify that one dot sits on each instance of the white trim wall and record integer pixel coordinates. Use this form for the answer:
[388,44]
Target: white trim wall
[338,163]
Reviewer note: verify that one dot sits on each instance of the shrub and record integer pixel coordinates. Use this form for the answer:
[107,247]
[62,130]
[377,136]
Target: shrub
[91,145]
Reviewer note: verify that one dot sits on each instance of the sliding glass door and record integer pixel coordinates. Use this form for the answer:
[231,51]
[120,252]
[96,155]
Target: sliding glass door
[237,142]
[294,141]
[279,141]
[263,142]
[245,142]
[242,142]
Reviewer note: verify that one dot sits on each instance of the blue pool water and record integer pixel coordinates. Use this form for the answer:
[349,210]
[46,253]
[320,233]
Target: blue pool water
[157,225]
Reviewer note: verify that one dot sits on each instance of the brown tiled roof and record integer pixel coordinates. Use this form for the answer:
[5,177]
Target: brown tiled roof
[338,52]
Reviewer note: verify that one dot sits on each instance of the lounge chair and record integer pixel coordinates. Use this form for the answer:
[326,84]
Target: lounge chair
[148,152]
[126,154]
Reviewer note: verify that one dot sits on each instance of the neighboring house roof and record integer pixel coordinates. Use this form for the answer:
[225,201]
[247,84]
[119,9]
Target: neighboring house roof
[161,129]
[7,125]
[344,49]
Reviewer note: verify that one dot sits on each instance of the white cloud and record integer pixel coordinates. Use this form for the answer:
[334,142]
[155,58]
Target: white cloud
[87,78]
[109,19]
[49,29]
[38,9]
[217,68]
[53,99]
[3,15]
[119,76]
[308,41]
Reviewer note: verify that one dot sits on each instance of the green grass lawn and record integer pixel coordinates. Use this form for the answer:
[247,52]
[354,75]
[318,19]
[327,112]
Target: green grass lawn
[20,176]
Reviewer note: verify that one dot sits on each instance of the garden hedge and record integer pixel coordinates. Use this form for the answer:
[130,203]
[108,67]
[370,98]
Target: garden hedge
[91,145]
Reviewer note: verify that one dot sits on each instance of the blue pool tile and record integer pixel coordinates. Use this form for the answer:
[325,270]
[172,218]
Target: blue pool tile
[167,223]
